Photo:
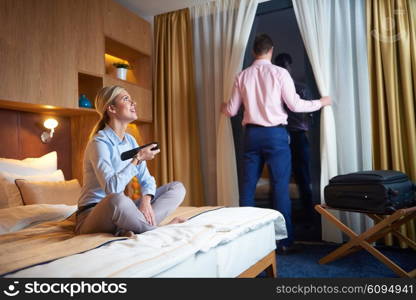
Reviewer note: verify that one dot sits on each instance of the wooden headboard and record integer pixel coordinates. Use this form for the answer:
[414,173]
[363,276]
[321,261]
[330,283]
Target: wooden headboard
[20,137]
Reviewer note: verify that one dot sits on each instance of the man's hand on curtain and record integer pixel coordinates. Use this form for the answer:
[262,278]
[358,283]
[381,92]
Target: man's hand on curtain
[326,100]
[224,108]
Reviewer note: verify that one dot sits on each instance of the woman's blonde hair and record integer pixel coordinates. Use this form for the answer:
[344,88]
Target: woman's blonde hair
[105,97]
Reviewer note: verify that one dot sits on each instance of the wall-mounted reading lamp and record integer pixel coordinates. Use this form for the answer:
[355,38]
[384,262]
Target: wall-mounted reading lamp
[51,125]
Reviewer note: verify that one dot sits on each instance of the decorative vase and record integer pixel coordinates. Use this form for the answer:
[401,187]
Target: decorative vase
[122,73]
[84,102]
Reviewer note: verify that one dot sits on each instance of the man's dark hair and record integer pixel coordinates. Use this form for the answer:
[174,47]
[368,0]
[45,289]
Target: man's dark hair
[262,44]
[283,60]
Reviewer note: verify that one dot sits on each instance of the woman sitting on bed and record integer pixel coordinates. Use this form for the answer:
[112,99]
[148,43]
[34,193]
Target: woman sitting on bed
[103,206]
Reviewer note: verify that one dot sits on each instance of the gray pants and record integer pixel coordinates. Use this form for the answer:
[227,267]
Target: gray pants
[117,212]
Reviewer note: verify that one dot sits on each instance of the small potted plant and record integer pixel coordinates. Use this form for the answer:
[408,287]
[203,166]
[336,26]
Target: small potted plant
[122,68]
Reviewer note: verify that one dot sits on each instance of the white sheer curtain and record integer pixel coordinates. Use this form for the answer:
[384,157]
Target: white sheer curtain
[334,33]
[221,32]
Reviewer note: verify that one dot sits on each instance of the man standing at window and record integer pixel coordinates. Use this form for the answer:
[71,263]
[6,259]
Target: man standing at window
[262,89]
[298,126]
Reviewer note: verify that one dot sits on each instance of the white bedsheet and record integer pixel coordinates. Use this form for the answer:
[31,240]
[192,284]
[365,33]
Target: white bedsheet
[227,260]
[16,218]
[152,252]
[232,222]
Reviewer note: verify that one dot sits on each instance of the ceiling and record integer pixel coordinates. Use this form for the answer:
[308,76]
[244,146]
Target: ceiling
[149,8]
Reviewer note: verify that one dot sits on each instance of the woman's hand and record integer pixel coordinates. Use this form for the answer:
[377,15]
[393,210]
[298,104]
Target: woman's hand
[146,208]
[147,153]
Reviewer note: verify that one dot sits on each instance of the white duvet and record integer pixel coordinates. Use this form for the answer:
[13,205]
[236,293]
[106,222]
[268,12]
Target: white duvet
[146,254]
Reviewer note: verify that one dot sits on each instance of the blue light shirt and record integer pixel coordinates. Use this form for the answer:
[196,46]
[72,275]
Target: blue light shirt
[105,173]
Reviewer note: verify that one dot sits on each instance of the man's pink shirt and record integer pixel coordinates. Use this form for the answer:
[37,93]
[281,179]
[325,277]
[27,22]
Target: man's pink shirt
[262,88]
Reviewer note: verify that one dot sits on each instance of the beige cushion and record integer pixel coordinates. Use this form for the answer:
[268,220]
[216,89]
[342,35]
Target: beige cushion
[10,195]
[43,192]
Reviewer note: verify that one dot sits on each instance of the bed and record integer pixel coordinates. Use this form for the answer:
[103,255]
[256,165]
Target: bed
[37,240]
[214,242]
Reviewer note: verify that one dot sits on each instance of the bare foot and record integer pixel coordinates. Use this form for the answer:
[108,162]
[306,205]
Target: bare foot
[177,220]
[125,233]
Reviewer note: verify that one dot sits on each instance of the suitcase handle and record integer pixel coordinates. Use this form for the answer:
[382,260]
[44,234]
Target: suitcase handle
[395,192]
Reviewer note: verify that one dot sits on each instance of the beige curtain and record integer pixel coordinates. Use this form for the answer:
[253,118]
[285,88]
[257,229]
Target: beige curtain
[391,26]
[174,105]
[334,34]
[221,32]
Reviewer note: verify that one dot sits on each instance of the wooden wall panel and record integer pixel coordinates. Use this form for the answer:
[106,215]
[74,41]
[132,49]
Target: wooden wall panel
[20,50]
[144,72]
[81,127]
[57,72]
[124,26]
[88,22]
[9,134]
[43,45]
[21,132]
[38,63]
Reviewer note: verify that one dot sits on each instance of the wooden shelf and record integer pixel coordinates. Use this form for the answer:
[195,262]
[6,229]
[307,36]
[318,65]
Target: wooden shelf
[121,82]
[140,74]
[49,109]
[89,85]
[83,110]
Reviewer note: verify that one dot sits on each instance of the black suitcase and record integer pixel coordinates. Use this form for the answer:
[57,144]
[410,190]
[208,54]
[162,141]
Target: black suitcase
[379,192]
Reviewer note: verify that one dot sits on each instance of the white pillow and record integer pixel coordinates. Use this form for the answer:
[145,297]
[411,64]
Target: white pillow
[9,193]
[47,163]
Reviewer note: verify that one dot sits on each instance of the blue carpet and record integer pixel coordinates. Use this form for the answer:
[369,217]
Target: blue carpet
[358,265]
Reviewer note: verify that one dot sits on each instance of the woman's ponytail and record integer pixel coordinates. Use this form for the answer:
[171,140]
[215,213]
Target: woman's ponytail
[105,97]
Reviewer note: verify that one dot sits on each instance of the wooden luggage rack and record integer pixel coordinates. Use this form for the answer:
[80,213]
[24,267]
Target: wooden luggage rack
[384,224]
